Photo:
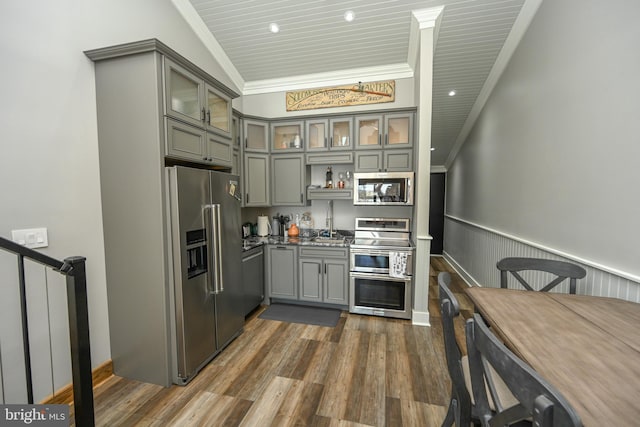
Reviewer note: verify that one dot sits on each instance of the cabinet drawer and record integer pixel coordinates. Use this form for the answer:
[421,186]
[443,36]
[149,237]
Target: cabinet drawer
[185,141]
[310,251]
[329,158]
[329,194]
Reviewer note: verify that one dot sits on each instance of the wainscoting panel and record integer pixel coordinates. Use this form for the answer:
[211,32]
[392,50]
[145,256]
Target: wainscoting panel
[474,251]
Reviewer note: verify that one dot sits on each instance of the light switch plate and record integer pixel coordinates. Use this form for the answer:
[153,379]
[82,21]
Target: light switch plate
[31,237]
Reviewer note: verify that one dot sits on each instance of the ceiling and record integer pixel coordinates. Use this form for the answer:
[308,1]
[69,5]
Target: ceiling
[315,42]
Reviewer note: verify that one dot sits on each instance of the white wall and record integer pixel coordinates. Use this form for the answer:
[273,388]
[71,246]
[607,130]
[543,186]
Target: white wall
[553,157]
[50,159]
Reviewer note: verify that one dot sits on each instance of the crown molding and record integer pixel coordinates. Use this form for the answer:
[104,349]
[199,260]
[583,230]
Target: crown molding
[420,20]
[340,77]
[188,12]
[438,169]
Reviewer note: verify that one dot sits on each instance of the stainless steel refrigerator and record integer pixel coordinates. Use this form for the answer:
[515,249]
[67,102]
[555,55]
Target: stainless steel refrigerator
[207,261]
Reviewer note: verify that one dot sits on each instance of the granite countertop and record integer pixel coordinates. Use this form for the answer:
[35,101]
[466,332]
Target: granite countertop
[255,241]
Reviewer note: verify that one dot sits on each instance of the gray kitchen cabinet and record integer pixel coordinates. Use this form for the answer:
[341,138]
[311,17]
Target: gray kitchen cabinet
[289,176]
[330,194]
[190,98]
[256,135]
[185,141]
[253,278]
[282,271]
[310,279]
[324,275]
[341,133]
[317,134]
[134,138]
[236,131]
[236,163]
[287,136]
[398,160]
[256,179]
[375,131]
[336,281]
[369,131]
[342,157]
[384,161]
[219,150]
[398,130]
[195,144]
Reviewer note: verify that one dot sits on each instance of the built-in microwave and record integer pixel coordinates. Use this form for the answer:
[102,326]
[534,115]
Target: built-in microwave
[383,188]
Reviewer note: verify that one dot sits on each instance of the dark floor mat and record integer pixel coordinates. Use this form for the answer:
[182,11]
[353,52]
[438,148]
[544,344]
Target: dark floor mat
[302,314]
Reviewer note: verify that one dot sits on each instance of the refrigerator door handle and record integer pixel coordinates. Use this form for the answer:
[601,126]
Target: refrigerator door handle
[219,285]
[212,224]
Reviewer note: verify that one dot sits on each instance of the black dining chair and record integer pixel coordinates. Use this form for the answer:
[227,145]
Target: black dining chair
[536,400]
[561,269]
[459,410]
[461,407]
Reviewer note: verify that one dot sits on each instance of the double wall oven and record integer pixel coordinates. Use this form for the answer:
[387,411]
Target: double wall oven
[381,268]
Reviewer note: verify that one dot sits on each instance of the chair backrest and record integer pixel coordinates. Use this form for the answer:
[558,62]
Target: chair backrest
[450,309]
[537,399]
[563,270]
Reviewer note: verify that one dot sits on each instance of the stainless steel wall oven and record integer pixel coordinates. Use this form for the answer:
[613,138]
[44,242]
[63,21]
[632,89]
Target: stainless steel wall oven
[381,265]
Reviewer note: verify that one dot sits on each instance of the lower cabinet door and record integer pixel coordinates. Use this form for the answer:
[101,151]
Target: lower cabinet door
[310,279]
[282,272]
[336,282]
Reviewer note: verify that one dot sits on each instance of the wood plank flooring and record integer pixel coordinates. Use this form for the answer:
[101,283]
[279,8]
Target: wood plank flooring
[367,371]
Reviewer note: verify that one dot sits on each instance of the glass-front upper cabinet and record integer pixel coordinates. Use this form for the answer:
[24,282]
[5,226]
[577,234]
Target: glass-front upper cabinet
[190,99]
[340,133]
[369,132]
[217,112]
[256,135]
[317,134]
[398,130]
[287,136]
[236,131]
[184,94]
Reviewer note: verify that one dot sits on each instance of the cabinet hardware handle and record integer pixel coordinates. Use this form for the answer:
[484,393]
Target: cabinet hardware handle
[318,269]
[379,139]
[386,139]
[209,117]
[301,198]
[247,199]
[325,269]
[202,116]
[325,142]
[331,141]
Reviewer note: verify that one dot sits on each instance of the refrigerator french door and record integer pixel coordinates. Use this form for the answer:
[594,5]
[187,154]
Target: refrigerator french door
[207,261]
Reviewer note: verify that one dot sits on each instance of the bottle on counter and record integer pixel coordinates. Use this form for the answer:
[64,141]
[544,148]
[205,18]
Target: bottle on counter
[329,180]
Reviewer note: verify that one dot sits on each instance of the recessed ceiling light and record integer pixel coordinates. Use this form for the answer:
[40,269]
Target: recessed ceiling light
[349,16]
[274,28]
[452,93]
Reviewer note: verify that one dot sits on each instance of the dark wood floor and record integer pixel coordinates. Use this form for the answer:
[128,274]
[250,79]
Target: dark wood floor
[367,371]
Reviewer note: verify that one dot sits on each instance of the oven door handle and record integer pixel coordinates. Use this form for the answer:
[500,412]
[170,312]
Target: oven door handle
[385,277]
[372,252]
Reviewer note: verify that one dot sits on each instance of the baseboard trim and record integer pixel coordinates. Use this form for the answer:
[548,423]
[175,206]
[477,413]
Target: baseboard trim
[468,279]
[65,394]
[420,318]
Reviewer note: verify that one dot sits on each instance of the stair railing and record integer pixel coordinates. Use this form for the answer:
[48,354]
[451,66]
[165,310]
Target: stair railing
[74,270]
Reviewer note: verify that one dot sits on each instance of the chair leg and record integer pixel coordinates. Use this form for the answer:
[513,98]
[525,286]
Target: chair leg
[464,414]
[449,419]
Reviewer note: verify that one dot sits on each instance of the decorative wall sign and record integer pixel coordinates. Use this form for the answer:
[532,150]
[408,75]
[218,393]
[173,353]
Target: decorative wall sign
[342,96]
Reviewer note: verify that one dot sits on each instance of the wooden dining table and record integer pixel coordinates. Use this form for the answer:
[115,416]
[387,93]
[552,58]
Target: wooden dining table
[587,347]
